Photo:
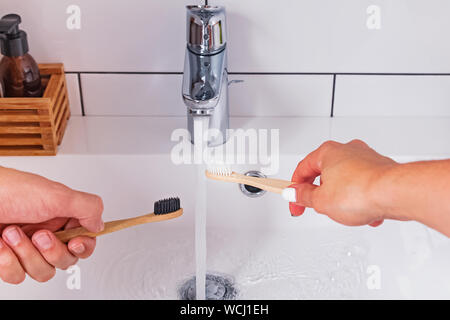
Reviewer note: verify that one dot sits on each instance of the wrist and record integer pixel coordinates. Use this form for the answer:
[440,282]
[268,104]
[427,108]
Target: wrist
[386,193]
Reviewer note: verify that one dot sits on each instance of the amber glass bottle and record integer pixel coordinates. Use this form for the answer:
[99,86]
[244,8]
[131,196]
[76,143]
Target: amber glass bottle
[18,70]
[2,86]
[21,76]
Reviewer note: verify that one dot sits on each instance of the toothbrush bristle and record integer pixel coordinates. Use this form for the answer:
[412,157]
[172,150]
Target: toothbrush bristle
[166,206]
[220,171]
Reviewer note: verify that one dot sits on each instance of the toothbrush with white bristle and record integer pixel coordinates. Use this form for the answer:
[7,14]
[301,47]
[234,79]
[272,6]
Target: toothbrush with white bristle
[272,185]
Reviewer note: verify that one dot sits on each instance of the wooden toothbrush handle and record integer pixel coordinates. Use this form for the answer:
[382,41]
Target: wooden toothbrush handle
[268,184]
[113,226]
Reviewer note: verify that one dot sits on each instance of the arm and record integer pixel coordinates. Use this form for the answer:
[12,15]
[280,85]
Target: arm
[31,209]
[359,186]
[418,191]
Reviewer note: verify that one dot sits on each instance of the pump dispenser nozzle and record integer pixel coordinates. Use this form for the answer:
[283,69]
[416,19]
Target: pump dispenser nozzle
[19,73]
[13,40]
[9,24]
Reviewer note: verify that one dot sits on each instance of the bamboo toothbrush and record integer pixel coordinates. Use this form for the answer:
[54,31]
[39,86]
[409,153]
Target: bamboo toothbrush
[272,185]
[163,210]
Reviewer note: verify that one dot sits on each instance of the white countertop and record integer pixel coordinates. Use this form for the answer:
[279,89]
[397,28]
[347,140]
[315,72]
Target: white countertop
[395,137]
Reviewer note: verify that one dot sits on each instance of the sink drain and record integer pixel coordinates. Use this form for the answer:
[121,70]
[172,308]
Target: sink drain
[218,287]
[250,191]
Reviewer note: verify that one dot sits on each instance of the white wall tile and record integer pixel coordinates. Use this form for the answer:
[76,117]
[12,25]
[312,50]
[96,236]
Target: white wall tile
[279,36]
[281,95]
[392,96]
[133,94]
[122,35]
[332,36]
[283,36]
[160,95]
[73,90]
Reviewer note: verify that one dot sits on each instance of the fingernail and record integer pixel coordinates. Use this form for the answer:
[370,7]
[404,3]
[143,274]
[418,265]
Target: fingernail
[77,248]
[43,240]
[289,194]
[13,236]
[296,210]
[101,227]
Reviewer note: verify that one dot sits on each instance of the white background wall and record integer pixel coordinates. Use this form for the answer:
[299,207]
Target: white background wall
[128,55]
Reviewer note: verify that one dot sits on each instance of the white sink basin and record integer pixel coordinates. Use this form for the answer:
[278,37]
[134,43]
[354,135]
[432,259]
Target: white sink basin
[254,241]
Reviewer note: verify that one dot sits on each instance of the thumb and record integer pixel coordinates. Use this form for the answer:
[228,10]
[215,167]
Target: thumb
[303,194]
[88,209]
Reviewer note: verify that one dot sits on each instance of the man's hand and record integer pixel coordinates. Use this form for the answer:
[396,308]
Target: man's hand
[31,209]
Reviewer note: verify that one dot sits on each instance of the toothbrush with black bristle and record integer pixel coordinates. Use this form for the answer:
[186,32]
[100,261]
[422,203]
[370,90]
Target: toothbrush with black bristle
[282,187]
[164,209]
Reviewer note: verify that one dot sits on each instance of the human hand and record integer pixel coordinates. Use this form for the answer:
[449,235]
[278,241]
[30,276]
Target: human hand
[348,176]
[31,209]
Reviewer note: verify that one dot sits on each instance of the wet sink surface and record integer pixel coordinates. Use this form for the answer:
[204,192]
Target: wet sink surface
[254,241]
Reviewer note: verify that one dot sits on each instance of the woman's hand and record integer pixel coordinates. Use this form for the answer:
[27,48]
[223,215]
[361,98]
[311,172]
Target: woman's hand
[31,209]
[348,176]
[358,186]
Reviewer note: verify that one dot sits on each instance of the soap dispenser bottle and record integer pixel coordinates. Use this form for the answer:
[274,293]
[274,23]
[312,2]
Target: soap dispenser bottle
[19,73]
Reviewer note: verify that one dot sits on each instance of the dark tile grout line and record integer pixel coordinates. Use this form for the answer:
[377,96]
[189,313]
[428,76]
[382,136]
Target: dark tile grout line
[388,74]
[341,73]
[332,96]
[80,88]
[268,73]
[123,72]
[78,73]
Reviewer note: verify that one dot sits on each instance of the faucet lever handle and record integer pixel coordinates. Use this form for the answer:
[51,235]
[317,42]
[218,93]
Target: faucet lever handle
[234,81]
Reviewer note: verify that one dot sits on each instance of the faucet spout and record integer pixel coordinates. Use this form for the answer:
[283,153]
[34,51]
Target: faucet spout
[205,77]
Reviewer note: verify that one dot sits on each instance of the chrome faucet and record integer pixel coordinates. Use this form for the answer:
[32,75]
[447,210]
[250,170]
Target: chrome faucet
[205,77]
